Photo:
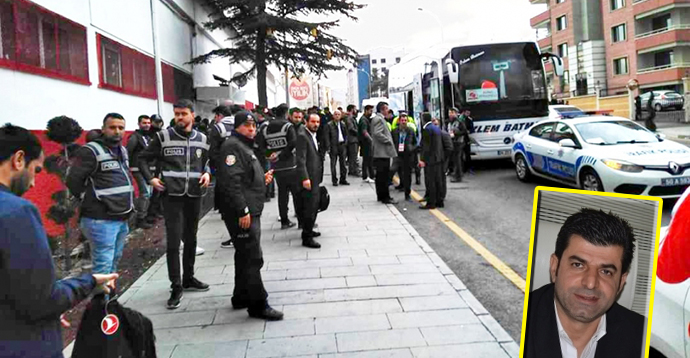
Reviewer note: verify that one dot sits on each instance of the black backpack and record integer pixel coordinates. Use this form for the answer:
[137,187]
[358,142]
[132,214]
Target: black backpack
[133,338]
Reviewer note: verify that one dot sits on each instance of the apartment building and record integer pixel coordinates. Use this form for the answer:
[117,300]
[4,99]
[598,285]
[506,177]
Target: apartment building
[606,43]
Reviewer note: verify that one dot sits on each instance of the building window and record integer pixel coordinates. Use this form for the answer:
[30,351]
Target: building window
[662,59]
[397,60]
[125,70]
[561,23]
[560,1]
[662,22]
[383,60]
[37,41]
[176,84]
[563,50]
[618,33]
[373,62]
[617,4]
[620,66]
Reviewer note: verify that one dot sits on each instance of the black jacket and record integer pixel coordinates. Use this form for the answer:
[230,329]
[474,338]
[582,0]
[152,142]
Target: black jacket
[432,145]
[333,134]
[136,143]
[323,136]
[309,164]
[447,144]
[78,182]
[241,185]
[352,129]
[458,130]
[623,338]
[410,139]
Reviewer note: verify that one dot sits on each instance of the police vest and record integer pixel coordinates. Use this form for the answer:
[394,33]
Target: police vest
[277,141]
[183,162]
[225,127]
[110,181]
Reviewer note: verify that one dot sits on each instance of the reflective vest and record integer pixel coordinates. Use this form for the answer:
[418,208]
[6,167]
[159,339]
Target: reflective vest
[110,181]
[275,136]
[183,162]
[225,127]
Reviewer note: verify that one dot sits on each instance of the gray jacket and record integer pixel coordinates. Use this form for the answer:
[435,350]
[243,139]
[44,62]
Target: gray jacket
[383,146]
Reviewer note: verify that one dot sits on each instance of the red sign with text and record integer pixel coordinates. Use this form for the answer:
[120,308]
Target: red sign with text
[299,90]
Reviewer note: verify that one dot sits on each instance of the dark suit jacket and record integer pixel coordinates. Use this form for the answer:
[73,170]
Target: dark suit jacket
[333,133]
[623,338]
[309,164]
[410,139]
[447,144]
[352,129]
[432,145]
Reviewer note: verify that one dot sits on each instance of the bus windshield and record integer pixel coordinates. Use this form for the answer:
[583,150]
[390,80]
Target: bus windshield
[500,81]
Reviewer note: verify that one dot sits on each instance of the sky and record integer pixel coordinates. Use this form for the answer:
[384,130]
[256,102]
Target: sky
[399,24]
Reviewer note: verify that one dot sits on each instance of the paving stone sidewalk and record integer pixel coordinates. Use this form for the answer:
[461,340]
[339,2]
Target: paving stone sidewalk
[374,289]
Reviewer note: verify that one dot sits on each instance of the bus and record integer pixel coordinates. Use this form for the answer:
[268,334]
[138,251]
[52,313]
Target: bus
[503,86]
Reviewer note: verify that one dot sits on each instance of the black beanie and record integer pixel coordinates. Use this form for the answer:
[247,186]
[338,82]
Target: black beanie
[242,117]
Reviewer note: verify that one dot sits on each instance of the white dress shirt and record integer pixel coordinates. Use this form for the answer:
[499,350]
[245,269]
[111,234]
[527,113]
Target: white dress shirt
[313,137]
[568,350]
[340,132]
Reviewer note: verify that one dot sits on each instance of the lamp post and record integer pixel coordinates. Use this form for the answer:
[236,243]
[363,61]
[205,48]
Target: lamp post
[437,20]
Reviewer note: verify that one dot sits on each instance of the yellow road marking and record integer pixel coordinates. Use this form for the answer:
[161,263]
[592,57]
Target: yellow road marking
[499,265]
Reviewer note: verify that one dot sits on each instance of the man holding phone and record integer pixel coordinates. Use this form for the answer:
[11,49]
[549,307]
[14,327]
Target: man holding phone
[241,204]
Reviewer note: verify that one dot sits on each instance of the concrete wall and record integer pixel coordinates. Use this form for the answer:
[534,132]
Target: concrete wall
[619,105]
[587,103]
[587,20]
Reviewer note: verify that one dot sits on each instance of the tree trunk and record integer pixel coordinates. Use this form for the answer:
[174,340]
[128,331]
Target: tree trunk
[261,66]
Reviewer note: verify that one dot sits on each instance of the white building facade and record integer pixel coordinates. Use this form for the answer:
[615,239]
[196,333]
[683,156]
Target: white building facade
[383,58]
[86,58]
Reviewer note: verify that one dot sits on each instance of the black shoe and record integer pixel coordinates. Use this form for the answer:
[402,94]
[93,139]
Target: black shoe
[267,313]
[408,198]
[418,182]
[267,200]
[143,224]
[390,201]
[151,219]
[456,180]
[335,184]
[238,304]
[175,298]
[227,244]
[427,207]
[193,284]
[287,225]
[344,183]
[440,205]
[310,243]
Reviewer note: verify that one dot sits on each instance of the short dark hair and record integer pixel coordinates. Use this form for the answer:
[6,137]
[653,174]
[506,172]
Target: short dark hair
[426,117]
[223,111]
[600,229]
[351,107]
[379,106]
[14,139]
[113,115]
[281,110]
[142,117]
[294,110]
[235,108]
[184,103]
[368,107]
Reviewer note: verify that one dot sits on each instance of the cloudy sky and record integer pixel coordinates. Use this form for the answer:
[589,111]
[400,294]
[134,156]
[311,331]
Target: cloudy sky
[399,23]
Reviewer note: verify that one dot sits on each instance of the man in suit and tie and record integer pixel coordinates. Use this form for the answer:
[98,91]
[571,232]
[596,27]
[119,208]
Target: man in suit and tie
[383,150]
[337,135]
[432,161]
[309,173]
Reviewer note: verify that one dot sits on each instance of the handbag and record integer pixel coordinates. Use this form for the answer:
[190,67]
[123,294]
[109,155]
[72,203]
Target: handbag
[324,198]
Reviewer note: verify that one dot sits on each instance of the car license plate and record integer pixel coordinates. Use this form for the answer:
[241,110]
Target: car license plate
[675,181]
[503,152]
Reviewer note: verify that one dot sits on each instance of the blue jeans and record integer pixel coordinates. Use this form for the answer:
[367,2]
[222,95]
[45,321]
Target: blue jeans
[107,240]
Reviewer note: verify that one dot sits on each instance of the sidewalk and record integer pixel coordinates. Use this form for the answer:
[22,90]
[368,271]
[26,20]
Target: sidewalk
[374,289]
[675,131]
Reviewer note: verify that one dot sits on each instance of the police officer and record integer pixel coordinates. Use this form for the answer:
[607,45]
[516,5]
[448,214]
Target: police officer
[278,138]
[182,158]
[137,142]
[458,133]
[224,123]
[244,185]
[101,177]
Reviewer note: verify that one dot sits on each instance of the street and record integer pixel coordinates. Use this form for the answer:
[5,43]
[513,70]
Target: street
[495,209]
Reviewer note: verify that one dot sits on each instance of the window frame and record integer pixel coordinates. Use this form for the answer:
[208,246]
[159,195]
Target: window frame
[128,56]
[625,33]
[558,48]
[551,123]
[373,61]
[565,22]
[627,66]
[559,1]
[59,23]
[612,5]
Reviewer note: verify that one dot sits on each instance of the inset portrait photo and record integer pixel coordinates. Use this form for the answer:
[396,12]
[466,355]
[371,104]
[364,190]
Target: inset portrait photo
[590,278]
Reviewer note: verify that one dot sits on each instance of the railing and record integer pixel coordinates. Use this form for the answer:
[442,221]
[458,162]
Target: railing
[665,29]
[638,1]
[664,67]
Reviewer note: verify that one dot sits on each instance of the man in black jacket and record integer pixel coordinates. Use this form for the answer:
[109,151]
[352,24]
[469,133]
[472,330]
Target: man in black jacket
[31,299]
[100,176]
[431,160]
[244,185]
[137,142]
[406,144]
[181,154]
[352,140]
[458,132]
[338,136]
[366,142]
[577,315]
[309,172]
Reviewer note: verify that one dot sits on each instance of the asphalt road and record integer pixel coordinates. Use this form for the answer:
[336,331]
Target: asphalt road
[495,209]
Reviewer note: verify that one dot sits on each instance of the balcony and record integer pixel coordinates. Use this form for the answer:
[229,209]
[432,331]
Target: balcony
[644,8]
[658,38]
[541,20]
[668,73]
[545,42]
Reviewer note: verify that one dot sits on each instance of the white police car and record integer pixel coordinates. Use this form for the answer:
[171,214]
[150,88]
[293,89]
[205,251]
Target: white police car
[602,153]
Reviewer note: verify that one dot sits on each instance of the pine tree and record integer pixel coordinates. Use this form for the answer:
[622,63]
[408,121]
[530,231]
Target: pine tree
[268,32]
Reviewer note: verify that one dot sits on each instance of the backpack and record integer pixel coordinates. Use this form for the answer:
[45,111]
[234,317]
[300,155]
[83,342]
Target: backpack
[110,330]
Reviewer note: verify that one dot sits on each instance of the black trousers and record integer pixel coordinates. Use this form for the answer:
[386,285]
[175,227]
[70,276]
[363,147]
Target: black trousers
[181,223]
[383,169]
[142,202]
[434,179]
[338,154]
[468,156]
[367,162]
[403,165]
[352,162]
[309,209]
[457,157]
[287,184]
[155,204]
[249,288]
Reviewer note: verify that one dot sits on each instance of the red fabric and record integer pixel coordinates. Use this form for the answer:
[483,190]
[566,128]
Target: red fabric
[488,84]
[248,105]
[673,265]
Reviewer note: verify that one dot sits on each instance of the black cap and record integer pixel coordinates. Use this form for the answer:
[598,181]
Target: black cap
[242,117]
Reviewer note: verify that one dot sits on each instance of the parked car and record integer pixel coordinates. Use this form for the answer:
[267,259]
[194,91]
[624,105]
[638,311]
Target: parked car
[561,111]
[602,153]
[663,100]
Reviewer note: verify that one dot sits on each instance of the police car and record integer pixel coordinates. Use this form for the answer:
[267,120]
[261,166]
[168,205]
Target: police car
[602,153]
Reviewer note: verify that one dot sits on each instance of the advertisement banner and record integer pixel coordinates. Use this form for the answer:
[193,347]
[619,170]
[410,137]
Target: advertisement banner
[482,94]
